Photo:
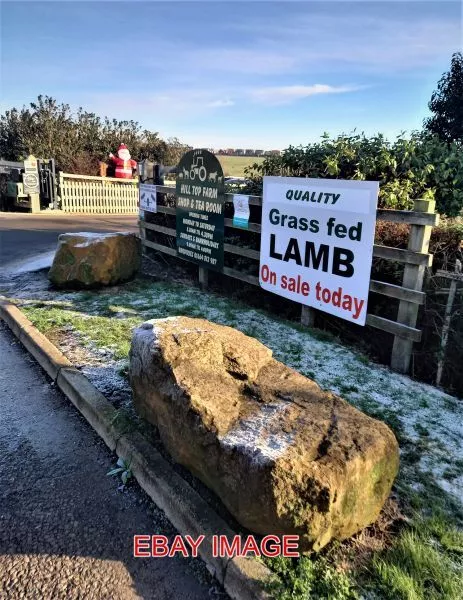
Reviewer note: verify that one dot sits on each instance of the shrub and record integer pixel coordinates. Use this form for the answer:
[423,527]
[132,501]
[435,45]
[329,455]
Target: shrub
[419,167]
[77,140]
[309,578]
[445,246]
[83,163]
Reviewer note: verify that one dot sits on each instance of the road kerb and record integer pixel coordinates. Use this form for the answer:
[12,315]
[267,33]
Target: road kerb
[98,411]
[184,507]
[243,579]
[45,353]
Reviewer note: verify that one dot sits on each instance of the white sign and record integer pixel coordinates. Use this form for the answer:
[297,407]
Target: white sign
[147,197]
[241,214]
[317,242]
[31,176]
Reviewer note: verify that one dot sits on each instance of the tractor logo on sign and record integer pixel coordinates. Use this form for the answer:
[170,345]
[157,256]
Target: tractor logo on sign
[198,169]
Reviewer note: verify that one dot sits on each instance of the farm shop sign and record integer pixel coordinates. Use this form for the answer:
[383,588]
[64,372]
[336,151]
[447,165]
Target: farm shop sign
[200,209]
[317,242]
[31,176]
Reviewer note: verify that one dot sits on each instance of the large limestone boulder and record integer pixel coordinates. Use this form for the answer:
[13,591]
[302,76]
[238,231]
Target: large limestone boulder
[89,260]
[284,456]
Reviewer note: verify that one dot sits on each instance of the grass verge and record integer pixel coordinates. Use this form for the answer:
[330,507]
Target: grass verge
[423,558]
[233,166]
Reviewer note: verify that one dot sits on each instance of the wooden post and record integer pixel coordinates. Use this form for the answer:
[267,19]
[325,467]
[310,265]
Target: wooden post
[307,316]
[35,202]
[141,225]
[203,278]
[454,277]
[413,280]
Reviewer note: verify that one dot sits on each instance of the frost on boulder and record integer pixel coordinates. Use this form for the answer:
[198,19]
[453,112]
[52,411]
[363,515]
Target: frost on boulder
[89,260]
[284,456]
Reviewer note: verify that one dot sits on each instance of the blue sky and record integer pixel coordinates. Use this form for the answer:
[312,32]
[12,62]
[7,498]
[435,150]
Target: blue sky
[234,74]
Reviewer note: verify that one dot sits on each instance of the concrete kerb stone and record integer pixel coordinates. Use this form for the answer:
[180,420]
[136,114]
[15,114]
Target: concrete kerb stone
[184,507]
[44,352]
[98,411]
[242,578]
[13,317]
[91,403]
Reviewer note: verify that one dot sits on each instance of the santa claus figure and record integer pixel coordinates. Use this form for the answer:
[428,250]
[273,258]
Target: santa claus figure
[123,163]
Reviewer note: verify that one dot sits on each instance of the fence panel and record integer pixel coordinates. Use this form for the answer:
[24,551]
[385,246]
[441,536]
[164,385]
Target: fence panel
[415,258]
[87,194]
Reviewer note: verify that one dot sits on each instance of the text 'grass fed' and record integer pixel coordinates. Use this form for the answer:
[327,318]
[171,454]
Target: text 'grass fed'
[317,242]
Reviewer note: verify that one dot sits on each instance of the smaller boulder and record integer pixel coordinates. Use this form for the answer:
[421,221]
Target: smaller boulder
[89,260]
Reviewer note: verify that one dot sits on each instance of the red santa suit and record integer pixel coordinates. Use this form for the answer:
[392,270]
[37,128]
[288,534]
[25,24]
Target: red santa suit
[124,164]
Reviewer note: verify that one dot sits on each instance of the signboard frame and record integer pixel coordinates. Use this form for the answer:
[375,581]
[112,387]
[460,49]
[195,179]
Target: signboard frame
[200,209]
[31,183]
[147,193]
[317,238]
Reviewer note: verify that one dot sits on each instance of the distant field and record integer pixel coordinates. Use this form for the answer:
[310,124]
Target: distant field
[234,166]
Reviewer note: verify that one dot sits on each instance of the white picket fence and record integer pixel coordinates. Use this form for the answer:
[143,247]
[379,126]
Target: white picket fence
[87,194]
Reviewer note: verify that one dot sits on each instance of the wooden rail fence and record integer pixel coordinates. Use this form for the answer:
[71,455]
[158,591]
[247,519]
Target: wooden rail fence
[410,295]
[87,194]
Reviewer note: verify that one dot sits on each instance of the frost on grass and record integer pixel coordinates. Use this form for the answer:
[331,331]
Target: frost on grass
[425,419]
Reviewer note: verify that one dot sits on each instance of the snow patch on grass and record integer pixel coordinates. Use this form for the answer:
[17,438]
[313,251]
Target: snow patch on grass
[426,420]
[34,263]
[108,380]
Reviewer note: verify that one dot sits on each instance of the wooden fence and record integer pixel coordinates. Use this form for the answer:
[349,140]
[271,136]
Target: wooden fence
[410,295]
[87,194]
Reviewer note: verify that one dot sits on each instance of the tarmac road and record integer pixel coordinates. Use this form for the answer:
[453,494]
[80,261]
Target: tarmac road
[24,235]
[66,531]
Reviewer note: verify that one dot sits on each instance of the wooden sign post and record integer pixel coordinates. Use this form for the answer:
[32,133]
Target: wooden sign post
[454,277]
[413,280]
[200,212]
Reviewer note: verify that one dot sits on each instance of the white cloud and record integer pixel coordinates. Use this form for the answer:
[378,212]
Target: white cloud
[169,104]
[365,41]
[220,103]
[253,60]
[289,93]
[185,104]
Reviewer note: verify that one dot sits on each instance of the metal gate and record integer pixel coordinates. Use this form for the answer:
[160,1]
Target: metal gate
[47,182]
